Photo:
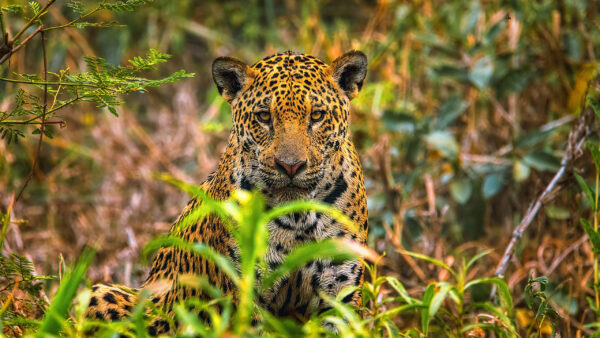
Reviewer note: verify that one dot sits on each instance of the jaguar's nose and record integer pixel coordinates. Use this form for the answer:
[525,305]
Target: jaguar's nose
[291,169]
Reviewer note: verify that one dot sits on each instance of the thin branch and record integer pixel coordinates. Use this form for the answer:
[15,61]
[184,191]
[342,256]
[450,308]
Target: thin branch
[49,83]
[70,23]
[32,20]
[61,122]
[43,125]
[576,140]
[15,49]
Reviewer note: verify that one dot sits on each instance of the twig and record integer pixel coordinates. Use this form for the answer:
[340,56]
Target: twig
[74,21]
[50,83]
[577,138]
[32,20]
[62,123]
[15,49]
[43,125]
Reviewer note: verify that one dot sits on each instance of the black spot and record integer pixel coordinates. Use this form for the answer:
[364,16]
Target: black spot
[282,225]
[288,296]
[310,229]
[315,280]
[299,279]
[165,325]
[113,314]
[347,298]
[152,330]
[124,295]
[245,184]
[302,309]
[358,276]
[273,264]
[93,301]
[342,278]
[109,297]
[339,188]
[98,315]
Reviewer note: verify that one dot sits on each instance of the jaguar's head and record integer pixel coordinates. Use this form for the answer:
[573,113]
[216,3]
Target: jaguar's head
[290,116]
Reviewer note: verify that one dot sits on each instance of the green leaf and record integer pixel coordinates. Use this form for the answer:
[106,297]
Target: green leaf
[394,283]
[520,171]
[533,138]
[398,122]
[113,111]
[592,234]
[503,290]
[427,297]
[542,161]
[13,9]
[492,33]
[555,212]
[35,7]
[459,74]
[444,142]
[64,296]
[492,185]
[595,105]
[450,111]
[477,257]
[430,260]
[482,72]
[595,154]
[437,299]
[191,319]
[461,190]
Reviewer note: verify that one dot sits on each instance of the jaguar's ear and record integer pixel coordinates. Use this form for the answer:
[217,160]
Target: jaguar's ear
[349,71]
[231,76]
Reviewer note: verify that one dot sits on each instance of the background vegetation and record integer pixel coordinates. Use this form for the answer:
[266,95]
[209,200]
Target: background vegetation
[462,124]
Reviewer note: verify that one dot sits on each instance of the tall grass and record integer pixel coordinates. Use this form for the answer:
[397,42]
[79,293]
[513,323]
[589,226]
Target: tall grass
[443,308]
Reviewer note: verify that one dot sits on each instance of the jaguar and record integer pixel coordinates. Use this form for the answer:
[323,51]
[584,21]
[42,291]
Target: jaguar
[290,140]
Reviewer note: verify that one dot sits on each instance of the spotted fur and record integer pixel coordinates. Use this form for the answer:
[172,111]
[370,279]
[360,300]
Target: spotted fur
[290,140]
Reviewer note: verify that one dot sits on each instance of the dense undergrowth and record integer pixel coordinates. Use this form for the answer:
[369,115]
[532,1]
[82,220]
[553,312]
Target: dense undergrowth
[462,122]
[385,300]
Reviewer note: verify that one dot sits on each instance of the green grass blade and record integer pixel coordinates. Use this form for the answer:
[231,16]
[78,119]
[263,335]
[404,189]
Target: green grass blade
[503,291]
[6,222]
[430,260]
[477,257]
[586,190]
[427,297]
[329,248]
[65,295]
[300,206]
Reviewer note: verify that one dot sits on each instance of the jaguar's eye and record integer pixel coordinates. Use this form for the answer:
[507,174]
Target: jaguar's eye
[317,115]
[263,116]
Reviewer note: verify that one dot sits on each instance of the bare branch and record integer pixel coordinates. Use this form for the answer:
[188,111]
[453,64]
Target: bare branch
[577,137]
